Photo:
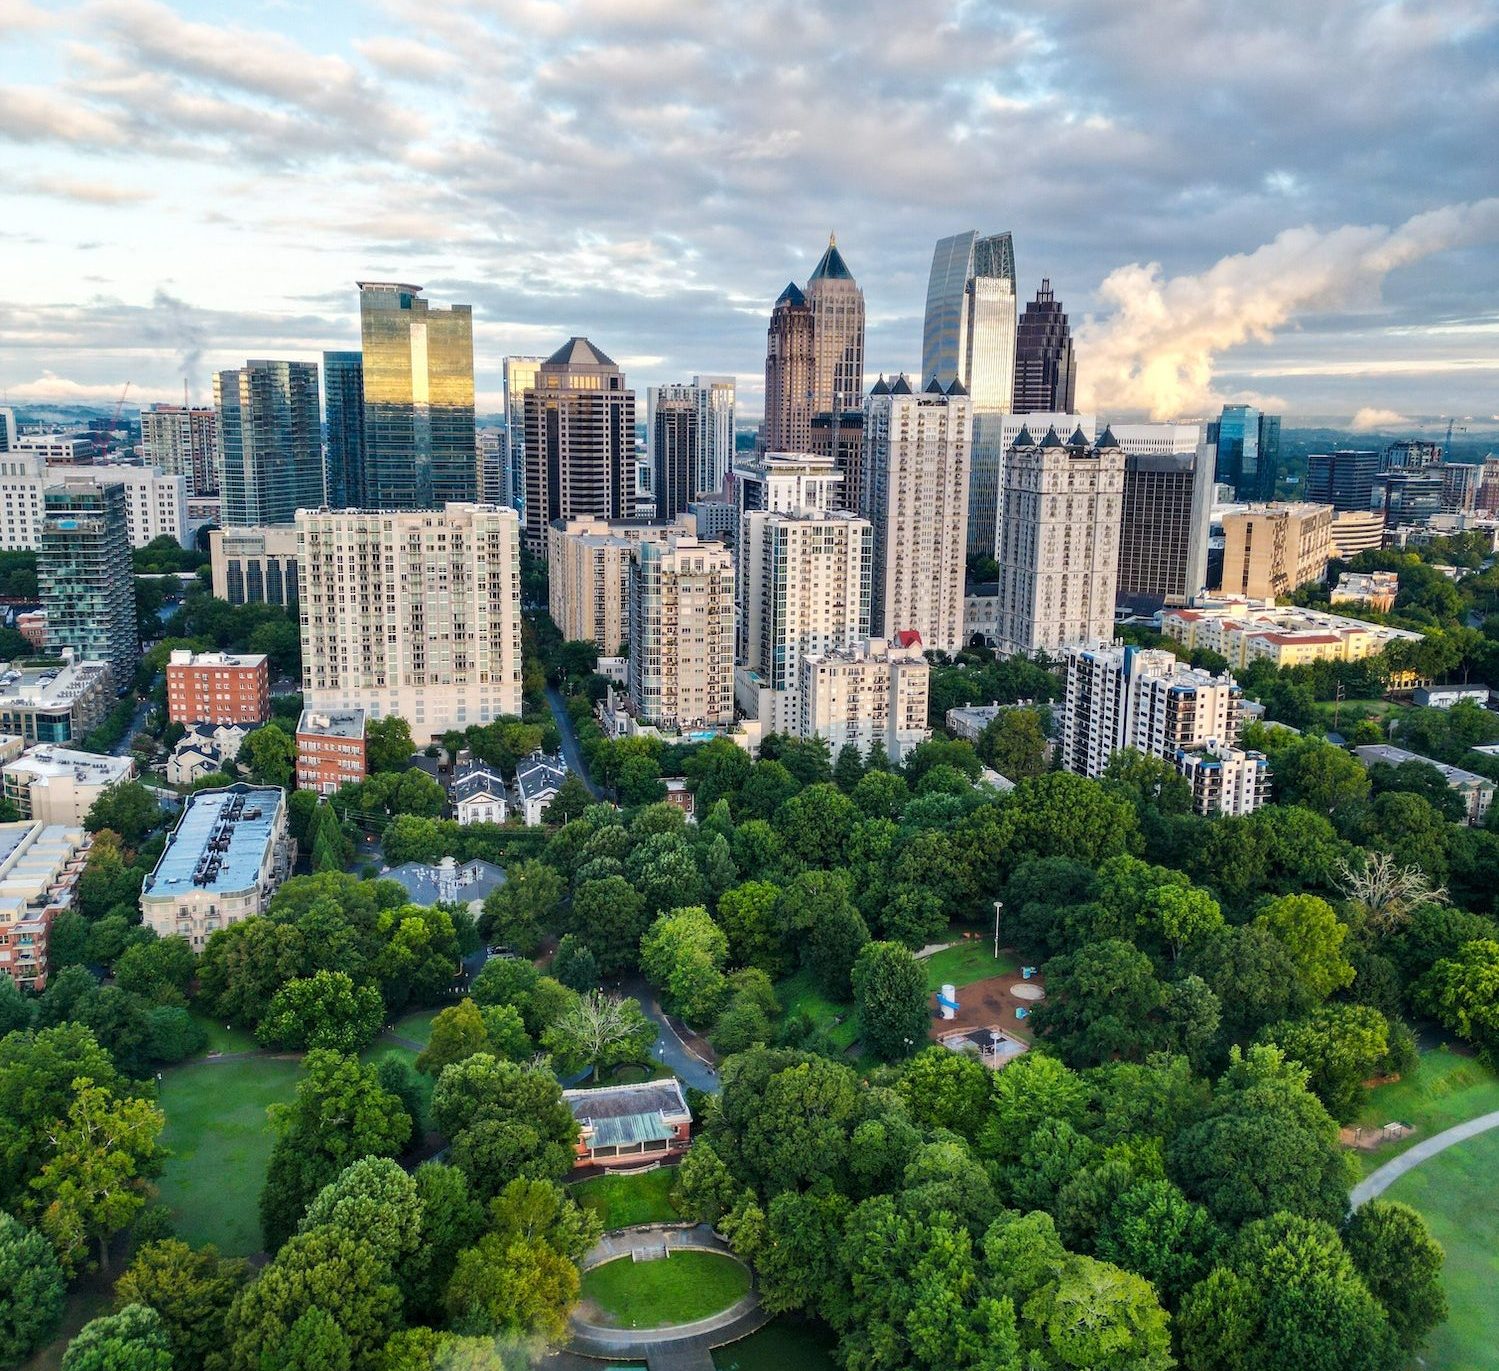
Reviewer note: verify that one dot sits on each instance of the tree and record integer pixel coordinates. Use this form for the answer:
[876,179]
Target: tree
[817,824]
[1150,784]
[324,1010]
[314,1342]
[330,849]
[1401,1263]
[245,964]
[1095,1317]
[1341,1045]
[269,754]
[190,1290]
[1014,744]
[520,909]
[1061,815]
[132,1340]
[573,798]
[1319,776]
[574,965]
[35,1291]
[126,808]
[1102,1001]
[1462,993]
[944,1089]
[102,1153]
[704,1189]
[597,1031]
[1155,1231]
[848,768]
[457,1033]
[452,1220]
[159,970]
[1308,928]
[376,1201]
[891,998]
[388,744]
[611,917]
[1387,892]
[746,913]
[683,954]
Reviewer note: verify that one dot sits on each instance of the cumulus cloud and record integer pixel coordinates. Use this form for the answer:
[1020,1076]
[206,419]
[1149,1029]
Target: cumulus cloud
[1161,341]
[49,386]
[1369,420]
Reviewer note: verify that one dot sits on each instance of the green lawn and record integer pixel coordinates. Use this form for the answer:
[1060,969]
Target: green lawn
[784,1344]
[1455,1191]
[220,1142]
[625,1200]
[223,1038]
[417,1026]
[966,963]
[799,994]
[1448,1089]
[377,1051]
[675,1289]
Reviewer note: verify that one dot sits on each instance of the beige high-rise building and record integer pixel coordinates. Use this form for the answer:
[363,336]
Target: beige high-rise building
[807,579]
[682,634]
[588,575]
[412,613]
[837,334]
[1058,543]
[253,566]
[916,455]
[1269,550]
[871,692]
[789,363]
[183,441]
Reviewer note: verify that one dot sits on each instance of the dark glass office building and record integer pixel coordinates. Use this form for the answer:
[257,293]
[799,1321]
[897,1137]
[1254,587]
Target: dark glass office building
[1045,365]
[343,407]
[1248,445]
[1343,479]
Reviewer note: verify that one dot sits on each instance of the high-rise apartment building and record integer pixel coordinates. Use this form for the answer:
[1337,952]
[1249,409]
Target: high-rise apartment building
[1269,550]
[1410,455]
[1058,545]
[916,455]
[491,454]
[674,438]
[993,436]
[588,575]
[86,578]
[1165,514]
[840,439]
[1248,447]
[790,360]
[7,429]
[969,330]
[711,402]
[871,692]
[343,404]
[837,306]
[1045,365]
[412,613]
[1357,530]
[183,440]
[1343,479]
[270,441]
[1128,697]
[1460,482]
[580,441]
[520,375]
[418,398]
[155,504]
[254,566]
[681,673]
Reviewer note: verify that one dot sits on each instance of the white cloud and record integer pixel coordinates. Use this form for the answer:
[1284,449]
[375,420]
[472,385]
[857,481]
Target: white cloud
[1369,419]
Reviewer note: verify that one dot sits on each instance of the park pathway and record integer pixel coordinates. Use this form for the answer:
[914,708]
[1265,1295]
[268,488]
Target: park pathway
[1381,1179]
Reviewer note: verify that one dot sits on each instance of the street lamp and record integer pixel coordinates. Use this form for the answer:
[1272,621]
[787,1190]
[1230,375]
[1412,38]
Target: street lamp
[998,905]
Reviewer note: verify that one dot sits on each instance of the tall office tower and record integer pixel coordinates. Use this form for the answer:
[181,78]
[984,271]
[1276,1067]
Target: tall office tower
[183,441]
[1488,486]
[343,403]
[7,429]
[1269,550]
[1058,545]
[837,334]
[1460,481]
[674,436]
[270,442]
[840,439]
[1128,697]
[682,634]
[790,360]
[1045,365]
[1408,496]
[520,376]
[418,398]
[916,454]
[84,572]
[412,613]
[1248,444]
[1410,454]
[1165,518]
[1343,479]
[807,589]
[580,441]
[969,333]
[712,402]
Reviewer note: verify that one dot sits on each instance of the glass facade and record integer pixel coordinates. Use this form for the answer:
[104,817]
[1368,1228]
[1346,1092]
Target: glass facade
[1248,451]
[85,575]
[520,376]
[343,399]
[969,330]
[270,442]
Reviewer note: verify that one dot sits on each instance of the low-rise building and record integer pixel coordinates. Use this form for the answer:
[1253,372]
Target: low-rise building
[330,749]
[447,881]
[625,1125]
[223,862]
[218,687]
[874,692]
[32,626]
[538,778]
[1245,631]
[479,794]
[969,721]
[1377,589]
[191,760]
[55,701]
[1476,792]
[1445,696]
[40,866]
[57,785]
[981,613]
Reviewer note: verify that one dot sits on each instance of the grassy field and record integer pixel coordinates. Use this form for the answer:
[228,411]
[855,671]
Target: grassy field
[1455,1191]
[1448,1089]
[799,994]
[966,963]
[220,1142]
[222,1038]
[675,1289]
[623,1201]
[782,1345]
[417,1026]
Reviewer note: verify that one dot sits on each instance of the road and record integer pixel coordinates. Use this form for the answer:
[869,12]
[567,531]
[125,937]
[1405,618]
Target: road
[669,1049]
[137,722]
[1380,1180]
[572,754]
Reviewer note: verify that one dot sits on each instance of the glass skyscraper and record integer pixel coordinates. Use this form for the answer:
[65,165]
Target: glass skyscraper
[343,398]
[969,331]
[418,399]
[1343,479]
[1248,451]
[270,442]
[520,376]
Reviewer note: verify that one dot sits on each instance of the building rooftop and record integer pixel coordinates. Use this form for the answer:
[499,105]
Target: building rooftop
[1394,756]
[623,1114]
[219,843]
[86,768]
[538,773]
[832,267]
[477,780]
[186,657]
[51,684]
[579,352]
[33,864]
[446,882]
[332,723]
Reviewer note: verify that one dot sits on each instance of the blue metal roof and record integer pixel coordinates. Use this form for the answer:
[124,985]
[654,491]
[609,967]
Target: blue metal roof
[219,843]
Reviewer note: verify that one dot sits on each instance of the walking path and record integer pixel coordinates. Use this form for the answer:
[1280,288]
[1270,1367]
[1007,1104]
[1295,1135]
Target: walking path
[1381,1179]
[670,1050]
[572,754]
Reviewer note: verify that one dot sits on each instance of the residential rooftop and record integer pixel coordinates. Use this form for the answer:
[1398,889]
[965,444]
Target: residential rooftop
[186,657]
[86,768]
[1394,756]
[34,859]
[49,683]
[332,723]
[219,844]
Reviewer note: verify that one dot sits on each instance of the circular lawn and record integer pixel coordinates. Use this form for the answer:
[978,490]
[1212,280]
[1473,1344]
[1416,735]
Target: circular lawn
[680,1288]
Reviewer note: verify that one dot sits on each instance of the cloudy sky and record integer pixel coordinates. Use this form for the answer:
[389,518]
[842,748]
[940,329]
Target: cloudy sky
[1234,198]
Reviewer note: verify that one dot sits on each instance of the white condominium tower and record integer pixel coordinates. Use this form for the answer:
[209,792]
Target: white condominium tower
[412,613]
[916,454]
[183,441]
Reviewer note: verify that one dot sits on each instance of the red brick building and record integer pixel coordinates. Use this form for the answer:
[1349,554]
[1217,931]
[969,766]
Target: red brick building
[628,1125]
[330,749]
[218,688]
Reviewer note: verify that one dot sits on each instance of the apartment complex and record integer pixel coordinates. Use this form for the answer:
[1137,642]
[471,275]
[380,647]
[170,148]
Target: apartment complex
[218,687]
[55,702]
[40,866]
[1475,791]
[588,575]
[700,430]
[1269,550]
[343,401]
[520,374]
[916,455]
[86,576]
[254,566]
[1244,632]
[183,440]
[1355,531]
[412,613]
[681,669]
[994,434]
[56,785]
[871,692]
[1165,519]
[221,865]
[155,504]
[1058,542]
[330,749]
[1377,589]
[1127,697]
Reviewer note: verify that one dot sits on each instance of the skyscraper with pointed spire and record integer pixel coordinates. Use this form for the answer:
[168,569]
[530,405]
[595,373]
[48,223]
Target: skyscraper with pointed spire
[837,334]
[1045,365]
[789,358]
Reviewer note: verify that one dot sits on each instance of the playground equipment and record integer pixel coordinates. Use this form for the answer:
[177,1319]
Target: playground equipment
[1026,972]
[947,1001]
[1022,1013]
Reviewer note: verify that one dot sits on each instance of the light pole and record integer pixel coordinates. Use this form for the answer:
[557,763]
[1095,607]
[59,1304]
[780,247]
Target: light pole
[998,905]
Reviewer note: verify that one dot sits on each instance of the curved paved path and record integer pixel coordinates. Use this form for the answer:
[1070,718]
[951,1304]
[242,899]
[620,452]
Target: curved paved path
[1382,1178]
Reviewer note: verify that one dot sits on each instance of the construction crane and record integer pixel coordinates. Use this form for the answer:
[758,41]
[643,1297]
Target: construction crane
[114,422]
[1447,443]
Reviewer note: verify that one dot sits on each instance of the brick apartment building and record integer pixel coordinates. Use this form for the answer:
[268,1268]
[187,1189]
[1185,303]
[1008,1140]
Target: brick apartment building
[218,688]
[330,749]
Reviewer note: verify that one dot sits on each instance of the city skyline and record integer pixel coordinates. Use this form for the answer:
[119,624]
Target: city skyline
[1351,239]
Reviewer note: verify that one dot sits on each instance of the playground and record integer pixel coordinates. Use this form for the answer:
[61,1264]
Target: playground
[997,1002]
